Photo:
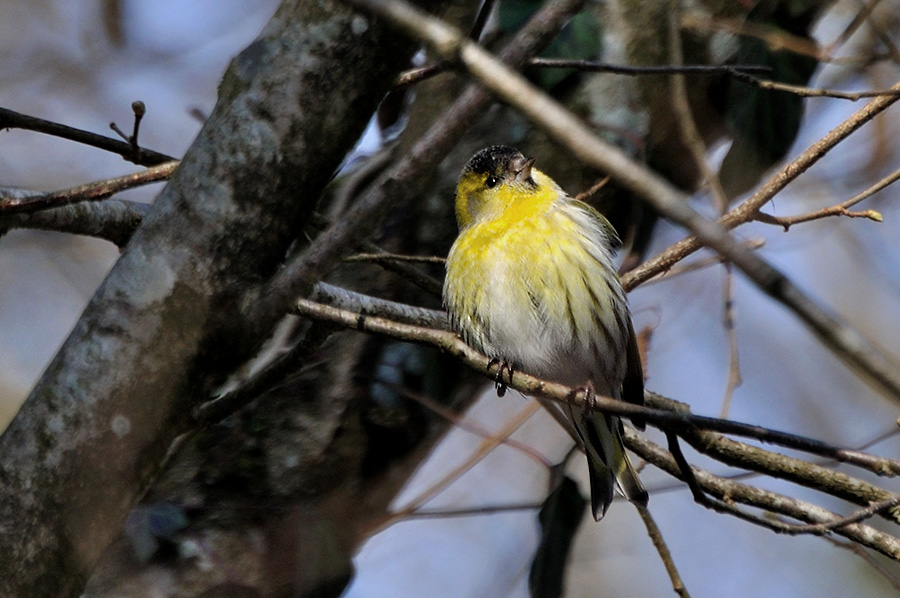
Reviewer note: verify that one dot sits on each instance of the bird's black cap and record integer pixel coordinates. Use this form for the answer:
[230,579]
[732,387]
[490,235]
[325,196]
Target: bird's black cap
[492,159]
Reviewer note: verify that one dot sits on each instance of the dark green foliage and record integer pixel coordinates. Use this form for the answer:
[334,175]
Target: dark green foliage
[580,39]
[764,123]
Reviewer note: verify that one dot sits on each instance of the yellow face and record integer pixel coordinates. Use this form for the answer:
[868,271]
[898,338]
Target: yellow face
[499,182]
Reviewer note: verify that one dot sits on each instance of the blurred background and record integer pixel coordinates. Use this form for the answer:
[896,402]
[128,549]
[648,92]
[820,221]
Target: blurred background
[82,64]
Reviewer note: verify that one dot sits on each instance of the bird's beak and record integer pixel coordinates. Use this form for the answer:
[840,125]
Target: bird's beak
[522,168]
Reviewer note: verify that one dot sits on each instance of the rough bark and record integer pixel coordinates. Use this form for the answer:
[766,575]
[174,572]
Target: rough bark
[160,335]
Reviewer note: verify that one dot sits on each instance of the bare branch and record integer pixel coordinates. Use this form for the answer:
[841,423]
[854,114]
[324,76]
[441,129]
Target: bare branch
[838,210]
[674,416]
[417,75]
[727,492]
[748,210]
[110,220]
[682,423]
[656,69]
[664,554]
[855,517]
[15,120]
[94,191]
[810,92]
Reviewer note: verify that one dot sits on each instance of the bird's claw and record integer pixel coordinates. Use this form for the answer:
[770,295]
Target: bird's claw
[498,379]
[589,405]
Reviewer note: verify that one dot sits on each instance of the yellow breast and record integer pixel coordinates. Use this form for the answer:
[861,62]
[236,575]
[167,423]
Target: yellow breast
[527,281]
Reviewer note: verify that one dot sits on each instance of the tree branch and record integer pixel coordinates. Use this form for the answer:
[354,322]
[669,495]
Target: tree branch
[727,492]
[668,414]
[94,191]
[110,220]
[698,431]
[144,157]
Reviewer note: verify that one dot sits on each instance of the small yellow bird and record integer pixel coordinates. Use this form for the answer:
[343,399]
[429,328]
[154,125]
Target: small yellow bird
[531,283]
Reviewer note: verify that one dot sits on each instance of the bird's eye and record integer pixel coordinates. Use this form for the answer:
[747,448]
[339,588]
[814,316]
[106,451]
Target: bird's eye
[492,181]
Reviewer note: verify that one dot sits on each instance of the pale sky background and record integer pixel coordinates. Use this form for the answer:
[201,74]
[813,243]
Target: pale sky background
[56,62]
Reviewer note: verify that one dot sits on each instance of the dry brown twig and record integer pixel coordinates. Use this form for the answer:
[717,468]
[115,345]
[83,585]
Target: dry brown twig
[94,191]
[694,141]
[662,549]
[837,210]
[486,446]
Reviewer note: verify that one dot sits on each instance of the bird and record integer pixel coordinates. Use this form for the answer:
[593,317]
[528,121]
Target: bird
[531,283]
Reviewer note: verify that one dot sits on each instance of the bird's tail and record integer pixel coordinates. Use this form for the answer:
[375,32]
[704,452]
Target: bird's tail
[608,464]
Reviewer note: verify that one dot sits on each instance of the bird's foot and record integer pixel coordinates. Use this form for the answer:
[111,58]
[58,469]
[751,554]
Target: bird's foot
[499,384]
[589,404]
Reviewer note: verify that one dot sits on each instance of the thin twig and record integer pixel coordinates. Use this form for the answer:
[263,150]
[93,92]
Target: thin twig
[660,69]
[811,92]
[838,210]
[664,554]
[417,75]
[728,492]
[855,517]
[690,133]
[465,423]
[694,141]
[858,19]
[381,258]
[682,268]
[587,194]
[883,36]
[484,449]
[139,110]
[94,191]
[15,120]
[469,511]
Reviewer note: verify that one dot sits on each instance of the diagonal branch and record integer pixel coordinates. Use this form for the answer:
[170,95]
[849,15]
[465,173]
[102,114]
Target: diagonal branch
[665,413]
[728,492]
[94,191]
[681,423]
